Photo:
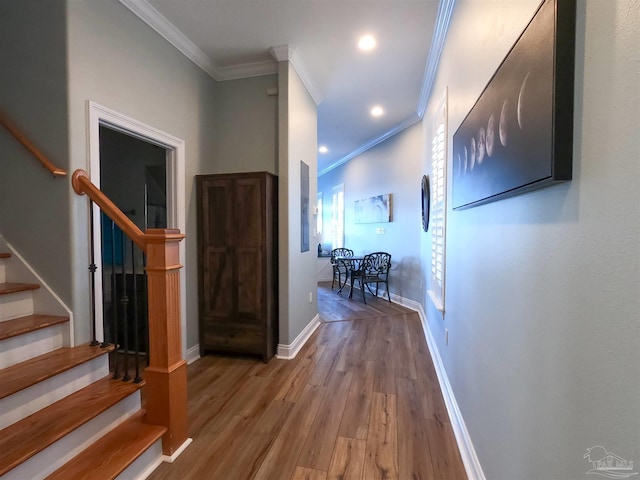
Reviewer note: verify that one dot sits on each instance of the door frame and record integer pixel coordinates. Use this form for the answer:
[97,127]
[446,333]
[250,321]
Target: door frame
[99,115]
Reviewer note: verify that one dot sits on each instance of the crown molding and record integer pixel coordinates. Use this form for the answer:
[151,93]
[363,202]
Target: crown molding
[284,53]
[303,73]
[256,69]
[145,11]
[443,19]
[412,120]
[445,9]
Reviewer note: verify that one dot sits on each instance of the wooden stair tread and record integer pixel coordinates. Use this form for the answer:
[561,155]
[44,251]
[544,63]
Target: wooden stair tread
[5,255]
[29,436]
[30,323]
[23,375]
[7,288]
[113,453]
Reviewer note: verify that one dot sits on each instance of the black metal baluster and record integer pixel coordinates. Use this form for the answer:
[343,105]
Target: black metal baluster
[146,307]
[92,279]
[137,378]
[125,304]
[114,303]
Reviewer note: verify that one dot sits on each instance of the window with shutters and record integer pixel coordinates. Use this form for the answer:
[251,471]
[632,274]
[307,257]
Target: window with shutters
[438,223]
[337,217]
[319,213]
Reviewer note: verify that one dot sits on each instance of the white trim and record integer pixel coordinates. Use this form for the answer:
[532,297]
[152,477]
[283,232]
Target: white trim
[436,302]
[192,354]
[439,193]
[463,439]
[246,70]
[152,17]
[286,53]
[48,302]
[176,454]
[288,352]
[445,9]
[299,66]
[158,22]
[151,468]
[412,120]
[282,53]
[145,464]
[176,210]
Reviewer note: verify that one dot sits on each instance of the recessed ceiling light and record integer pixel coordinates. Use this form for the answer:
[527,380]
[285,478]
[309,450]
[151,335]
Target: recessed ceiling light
[376,111]
[367,43]
[323,149]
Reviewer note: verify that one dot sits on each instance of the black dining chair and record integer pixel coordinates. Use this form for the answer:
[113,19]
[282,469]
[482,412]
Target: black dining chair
[340,267]
[373,269]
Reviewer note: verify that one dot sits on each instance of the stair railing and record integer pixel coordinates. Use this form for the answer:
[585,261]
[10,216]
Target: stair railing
[126,316]
[166,375]
[42,158]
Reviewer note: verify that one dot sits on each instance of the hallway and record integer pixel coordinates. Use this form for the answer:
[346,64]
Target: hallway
[360,401]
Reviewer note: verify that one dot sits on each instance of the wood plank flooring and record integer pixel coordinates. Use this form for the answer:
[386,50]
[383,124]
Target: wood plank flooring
[361,401]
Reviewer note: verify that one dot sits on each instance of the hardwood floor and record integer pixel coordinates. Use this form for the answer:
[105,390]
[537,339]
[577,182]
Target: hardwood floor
[361,401]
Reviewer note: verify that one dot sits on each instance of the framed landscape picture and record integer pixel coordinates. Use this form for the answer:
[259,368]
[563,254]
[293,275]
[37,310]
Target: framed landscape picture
[519,134]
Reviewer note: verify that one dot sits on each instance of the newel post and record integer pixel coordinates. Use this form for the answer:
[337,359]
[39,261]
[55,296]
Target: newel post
[166,375]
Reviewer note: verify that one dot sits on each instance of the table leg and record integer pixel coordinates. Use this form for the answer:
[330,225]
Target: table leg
[351,289]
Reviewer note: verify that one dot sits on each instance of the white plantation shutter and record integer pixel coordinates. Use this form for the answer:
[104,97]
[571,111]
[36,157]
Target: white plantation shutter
[438,205]
[319,213]
[337,217]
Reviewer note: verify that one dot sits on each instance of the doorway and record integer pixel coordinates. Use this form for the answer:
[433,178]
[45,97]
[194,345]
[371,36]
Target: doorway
[133,175]
[153,208]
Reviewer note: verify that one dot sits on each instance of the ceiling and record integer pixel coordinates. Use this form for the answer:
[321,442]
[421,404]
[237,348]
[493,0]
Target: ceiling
[232,39]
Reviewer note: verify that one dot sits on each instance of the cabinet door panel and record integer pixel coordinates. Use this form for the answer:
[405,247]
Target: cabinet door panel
[217,206]
[250,290]
[248,212]
[217,283]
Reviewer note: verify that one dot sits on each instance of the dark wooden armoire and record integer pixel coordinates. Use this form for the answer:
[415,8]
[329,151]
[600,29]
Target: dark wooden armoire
[238,262]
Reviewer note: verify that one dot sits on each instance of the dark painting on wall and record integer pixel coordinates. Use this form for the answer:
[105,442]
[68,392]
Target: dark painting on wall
[519,134]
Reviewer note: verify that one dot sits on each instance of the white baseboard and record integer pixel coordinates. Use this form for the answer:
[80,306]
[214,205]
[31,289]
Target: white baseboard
[463,439]
[176,454]
[287,352]
[159,459]
[192,354]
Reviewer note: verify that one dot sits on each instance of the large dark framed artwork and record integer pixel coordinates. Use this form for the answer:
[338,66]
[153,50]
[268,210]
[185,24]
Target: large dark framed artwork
[519,135]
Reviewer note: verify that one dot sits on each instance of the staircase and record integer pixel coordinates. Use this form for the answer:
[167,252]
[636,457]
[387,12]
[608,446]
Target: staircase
[61,414]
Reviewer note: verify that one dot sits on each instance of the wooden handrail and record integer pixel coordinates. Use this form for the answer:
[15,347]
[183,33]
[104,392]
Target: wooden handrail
[46,163]
[82,185]
[166,375]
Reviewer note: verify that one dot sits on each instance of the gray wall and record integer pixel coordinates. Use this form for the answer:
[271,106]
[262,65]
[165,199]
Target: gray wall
[246,125]
[34,207]
[297,124]
[543,289]
[118,61]
[391,167]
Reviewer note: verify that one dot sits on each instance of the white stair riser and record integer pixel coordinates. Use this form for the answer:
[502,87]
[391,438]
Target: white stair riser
[29,345]
[145,464]
[16,305]
[25,402]
[50,459]
[3,275]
